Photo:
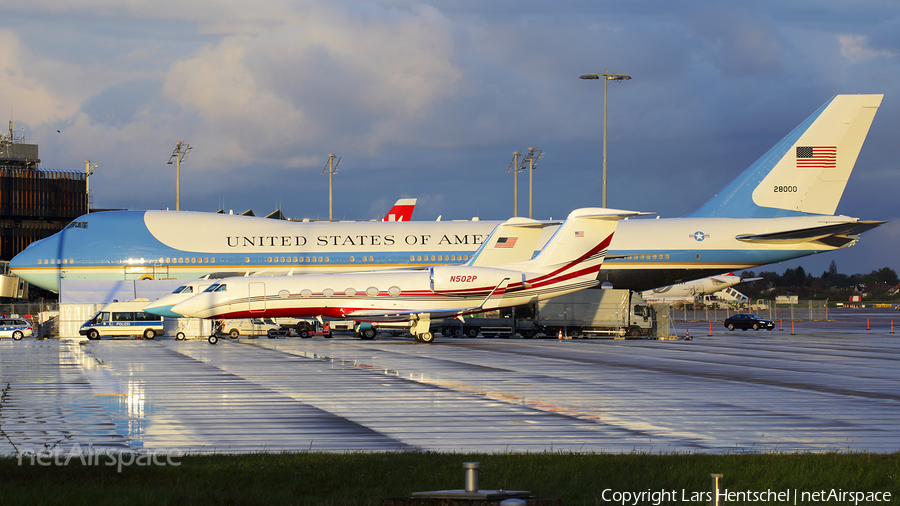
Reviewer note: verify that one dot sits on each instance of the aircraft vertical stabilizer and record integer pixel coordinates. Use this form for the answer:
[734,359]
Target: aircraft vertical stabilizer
[807,171]
[402,210]
[514,240]
[579,244]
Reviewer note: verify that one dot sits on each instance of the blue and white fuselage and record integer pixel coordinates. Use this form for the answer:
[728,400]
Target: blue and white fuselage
[781,207]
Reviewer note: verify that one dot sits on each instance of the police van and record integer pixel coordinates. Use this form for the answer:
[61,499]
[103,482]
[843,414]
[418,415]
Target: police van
[123,319]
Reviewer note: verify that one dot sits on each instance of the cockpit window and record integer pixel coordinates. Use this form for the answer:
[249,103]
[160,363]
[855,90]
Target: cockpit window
[184,289]
[221,288]
[212,287]
[77,224]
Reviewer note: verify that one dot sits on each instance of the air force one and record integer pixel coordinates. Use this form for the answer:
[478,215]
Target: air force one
[781,207]
[568,262]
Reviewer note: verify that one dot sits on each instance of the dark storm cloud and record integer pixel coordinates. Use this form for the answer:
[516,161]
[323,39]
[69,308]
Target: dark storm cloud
[430,99]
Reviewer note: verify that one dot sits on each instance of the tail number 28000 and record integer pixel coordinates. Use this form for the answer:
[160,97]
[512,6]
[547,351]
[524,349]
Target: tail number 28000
[785,189]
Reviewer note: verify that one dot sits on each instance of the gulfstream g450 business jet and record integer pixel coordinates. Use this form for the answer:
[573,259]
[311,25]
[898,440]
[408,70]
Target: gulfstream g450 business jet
[568,262]
[781,207]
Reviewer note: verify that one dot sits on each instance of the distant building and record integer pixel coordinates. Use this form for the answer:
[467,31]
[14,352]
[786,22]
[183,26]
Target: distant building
[34,202]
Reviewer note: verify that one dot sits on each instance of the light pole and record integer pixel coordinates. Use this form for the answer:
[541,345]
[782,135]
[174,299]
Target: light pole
[534,154]
[514,167]
[606,77]
[89,168]
[331,169]
[181,149]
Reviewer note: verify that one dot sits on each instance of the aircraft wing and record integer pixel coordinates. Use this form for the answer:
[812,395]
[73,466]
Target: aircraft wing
[835,235]
[405,316]
[437,313]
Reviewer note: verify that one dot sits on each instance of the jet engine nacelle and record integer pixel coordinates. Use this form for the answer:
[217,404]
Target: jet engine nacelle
[463,280]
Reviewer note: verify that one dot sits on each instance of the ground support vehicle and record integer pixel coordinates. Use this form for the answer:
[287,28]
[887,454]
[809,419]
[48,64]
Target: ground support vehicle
[309,327]
[588,313]
[692,302]
[251,327]
[595,312]
[123,319]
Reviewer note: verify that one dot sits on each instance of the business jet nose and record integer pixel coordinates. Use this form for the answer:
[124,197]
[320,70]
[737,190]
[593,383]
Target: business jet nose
[41,263]
[197,306]
[160,308]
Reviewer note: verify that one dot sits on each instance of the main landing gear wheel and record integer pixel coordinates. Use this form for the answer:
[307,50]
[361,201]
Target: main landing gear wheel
[427,338]
[213,339]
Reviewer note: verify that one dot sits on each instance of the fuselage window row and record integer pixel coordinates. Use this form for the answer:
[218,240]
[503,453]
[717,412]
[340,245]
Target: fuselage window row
[659,256]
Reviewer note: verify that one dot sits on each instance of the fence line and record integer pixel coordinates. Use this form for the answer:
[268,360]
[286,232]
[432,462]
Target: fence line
[809,310]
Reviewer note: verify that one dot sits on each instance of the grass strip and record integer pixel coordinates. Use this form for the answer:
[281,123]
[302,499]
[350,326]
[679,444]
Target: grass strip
[367,478]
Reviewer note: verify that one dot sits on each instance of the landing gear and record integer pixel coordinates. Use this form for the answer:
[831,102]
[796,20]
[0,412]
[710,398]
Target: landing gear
[420,329]
[213,339]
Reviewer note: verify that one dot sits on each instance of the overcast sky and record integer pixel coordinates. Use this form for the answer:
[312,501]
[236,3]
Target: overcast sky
[430,99]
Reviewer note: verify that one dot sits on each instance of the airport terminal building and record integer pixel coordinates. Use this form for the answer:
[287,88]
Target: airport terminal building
[34,202]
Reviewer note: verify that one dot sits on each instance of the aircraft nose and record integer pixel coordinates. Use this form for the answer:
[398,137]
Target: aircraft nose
[194,307]
[40,263]
[161,309]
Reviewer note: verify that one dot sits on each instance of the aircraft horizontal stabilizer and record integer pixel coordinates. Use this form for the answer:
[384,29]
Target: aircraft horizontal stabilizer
[836,235]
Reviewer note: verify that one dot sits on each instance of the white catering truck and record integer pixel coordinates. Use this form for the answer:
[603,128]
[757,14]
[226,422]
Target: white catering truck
[588,313]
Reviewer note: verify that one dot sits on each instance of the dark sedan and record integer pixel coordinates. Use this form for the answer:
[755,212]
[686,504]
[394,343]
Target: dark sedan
[748,321]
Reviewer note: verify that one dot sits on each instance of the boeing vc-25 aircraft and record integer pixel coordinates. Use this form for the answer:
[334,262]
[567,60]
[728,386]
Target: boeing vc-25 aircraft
[781,207]
[569,262]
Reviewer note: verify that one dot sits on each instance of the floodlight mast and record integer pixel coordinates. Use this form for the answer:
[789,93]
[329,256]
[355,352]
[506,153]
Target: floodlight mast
[531,159]
[89,168]
[181,149]
[514,167]
[606,78]
[331,169]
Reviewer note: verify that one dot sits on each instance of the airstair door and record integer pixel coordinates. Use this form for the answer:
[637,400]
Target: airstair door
[257,297]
